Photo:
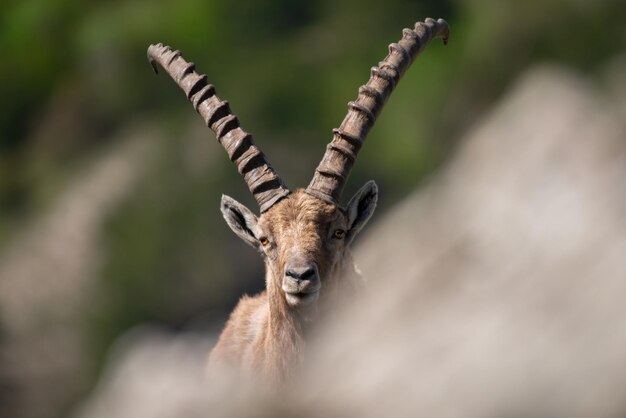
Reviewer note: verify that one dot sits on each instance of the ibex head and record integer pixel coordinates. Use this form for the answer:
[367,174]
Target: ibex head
[303,235]
[303,239]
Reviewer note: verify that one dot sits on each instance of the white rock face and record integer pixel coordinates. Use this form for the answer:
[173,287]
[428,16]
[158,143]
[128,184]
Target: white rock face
[499,289]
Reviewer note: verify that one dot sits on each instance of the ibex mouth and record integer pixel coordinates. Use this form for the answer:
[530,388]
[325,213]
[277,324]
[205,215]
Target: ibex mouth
[301,284]
[296,287]
[301,298]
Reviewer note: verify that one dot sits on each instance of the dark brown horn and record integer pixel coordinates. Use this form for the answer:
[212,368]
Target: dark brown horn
[332,172]
[259,175]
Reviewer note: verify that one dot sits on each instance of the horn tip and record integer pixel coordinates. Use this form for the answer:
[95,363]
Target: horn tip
[152,51]
[444,30]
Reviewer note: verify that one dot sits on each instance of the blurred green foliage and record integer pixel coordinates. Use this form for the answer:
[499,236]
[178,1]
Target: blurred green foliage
[75,75]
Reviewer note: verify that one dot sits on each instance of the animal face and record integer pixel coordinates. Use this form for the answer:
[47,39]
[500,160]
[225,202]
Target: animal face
[302,238]
[303,235]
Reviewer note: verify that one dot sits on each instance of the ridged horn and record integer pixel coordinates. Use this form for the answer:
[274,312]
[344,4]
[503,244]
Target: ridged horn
[332,172]
[265,185]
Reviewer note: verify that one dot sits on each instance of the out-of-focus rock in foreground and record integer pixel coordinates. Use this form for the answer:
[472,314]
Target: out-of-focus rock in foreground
[496,290]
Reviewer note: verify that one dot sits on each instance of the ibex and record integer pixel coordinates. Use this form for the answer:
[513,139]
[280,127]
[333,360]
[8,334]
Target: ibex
[302,235]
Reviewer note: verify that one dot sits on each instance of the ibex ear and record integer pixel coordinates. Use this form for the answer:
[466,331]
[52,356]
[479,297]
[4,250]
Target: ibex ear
[360,208]
[241,220]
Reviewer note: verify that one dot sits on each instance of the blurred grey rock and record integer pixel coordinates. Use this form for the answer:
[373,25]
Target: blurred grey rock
[47,277]
[153,374]
[498,290]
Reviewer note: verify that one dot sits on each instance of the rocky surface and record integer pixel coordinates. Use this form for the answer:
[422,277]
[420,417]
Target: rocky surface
[48,274]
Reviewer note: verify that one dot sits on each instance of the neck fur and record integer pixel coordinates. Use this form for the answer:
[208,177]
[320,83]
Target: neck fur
[287,326]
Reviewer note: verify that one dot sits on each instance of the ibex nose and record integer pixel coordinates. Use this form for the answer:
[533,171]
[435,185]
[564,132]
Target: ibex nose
[301,272]
[301,282]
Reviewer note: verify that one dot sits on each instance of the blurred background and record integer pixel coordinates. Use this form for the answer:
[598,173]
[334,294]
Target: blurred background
[110,183]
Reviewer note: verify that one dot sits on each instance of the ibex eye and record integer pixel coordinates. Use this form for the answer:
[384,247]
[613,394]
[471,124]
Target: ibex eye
[339,234]
[264,241]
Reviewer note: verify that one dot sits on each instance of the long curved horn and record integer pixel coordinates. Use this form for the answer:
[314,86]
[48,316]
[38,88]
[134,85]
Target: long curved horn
[332,172]
[259,175]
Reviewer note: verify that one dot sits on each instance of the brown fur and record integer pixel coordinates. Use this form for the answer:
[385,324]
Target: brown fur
[265,335]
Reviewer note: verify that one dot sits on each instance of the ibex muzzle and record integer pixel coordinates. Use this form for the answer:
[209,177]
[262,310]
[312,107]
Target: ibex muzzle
[303,235]
[301,282]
